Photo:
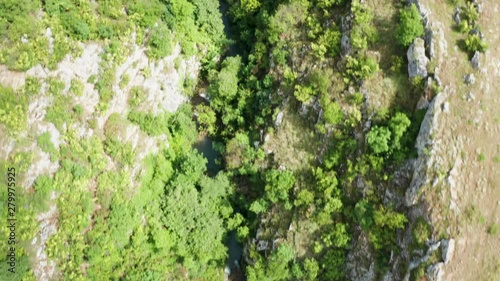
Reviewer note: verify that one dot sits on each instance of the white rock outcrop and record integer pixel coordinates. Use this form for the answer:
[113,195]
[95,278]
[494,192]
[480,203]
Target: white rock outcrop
[417,61]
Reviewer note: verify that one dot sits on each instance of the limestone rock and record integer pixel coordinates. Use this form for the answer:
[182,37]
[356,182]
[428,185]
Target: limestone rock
[279,119]
[456,16]
[345,44]
[360,264]
[475,60]
[424,145]
[470,79]
[448,249]
[345,40]
[446,107]
[417,61]
[423,103]
[435,272]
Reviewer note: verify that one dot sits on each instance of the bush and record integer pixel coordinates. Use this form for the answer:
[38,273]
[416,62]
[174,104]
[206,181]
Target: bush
[45,143]
[13,110]
[150,124]
[378,139]
[121,152]
[160,42]
[124,81]
[410,25]
[363,30]
[75,25]
[76,87]
[206,118]
[474,43]
[136,96]
[32,86]
[360,69]
[421,232]
[493,229]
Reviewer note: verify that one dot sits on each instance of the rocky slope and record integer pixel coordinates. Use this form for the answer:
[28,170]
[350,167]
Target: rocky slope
[163,88]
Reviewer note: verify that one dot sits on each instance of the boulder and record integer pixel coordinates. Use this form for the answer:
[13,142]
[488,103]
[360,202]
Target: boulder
[456,16]
[279,119]
[470,79]
[475,60]
[417,61]
[448,249]
[360,265]
[435,272]
[345,40]
[446,107]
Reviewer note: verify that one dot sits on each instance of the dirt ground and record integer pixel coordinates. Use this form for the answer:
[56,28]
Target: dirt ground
[467,206]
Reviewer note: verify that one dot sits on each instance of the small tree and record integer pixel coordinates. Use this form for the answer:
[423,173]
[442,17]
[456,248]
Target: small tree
[410,25]
[474,43]
[378,139]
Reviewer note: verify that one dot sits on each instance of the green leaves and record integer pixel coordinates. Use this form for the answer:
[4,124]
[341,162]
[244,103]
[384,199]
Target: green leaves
[474,43]
[378,139]
[160,42]
[360,68]
[13,110]
[410,25]
[279,185]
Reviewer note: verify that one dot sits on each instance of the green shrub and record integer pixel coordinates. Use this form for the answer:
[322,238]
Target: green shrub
[76,87]
[105,87]
[13,110]
[124,81]
[56,87]
[32,86]
[303,94]
[45,143]
[378,139]
[75,25]
[92,79]
[475,43]
[206,119]
[360,68]
[481,157]
[160,42]
[136,96]
[78,110]
[104,31]
[493,229]
[363,30]
[410,25]
[149,123]
[470,13]
[421,232]
[121,152]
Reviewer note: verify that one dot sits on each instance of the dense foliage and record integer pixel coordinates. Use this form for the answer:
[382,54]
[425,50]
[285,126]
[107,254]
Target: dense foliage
[307,185]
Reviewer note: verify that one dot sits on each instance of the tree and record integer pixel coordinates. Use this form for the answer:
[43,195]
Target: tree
[224,84]
[278,185]
[206,118]
[398,124]
[410,25]
[160,42]
[378,138]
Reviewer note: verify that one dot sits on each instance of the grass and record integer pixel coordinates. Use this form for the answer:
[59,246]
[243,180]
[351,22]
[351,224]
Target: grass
[294,143]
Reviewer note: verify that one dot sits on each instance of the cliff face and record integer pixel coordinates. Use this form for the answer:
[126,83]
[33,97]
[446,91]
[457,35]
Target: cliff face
[161,82]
